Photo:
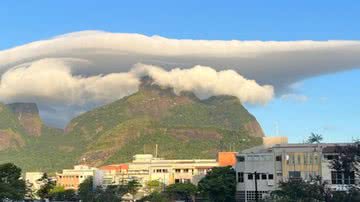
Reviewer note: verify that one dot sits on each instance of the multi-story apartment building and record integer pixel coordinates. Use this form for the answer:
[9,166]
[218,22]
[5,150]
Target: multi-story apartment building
[281,162]
[72,178]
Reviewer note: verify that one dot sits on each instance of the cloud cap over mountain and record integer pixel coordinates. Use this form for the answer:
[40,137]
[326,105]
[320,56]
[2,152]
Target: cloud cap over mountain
[84,69]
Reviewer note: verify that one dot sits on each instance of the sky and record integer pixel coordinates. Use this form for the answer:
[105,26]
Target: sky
[322,102]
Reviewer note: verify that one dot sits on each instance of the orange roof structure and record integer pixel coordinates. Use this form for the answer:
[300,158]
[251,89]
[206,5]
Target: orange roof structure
[115,167]
[226,158]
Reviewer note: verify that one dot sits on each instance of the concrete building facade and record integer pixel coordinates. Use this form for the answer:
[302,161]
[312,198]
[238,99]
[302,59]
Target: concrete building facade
[281,162]
[145,168]
[72,178]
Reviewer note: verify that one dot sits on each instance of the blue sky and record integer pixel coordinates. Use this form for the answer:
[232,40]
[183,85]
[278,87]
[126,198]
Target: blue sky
[330,102]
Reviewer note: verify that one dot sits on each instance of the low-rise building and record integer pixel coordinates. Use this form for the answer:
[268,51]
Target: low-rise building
[72,178]
[146,167]
[267,165]
[32,180]
[115,174]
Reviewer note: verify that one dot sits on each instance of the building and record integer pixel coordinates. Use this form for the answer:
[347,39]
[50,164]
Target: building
[281,162]
[72,178]
[32,179]
[226,158]
[115,174]
[146,167]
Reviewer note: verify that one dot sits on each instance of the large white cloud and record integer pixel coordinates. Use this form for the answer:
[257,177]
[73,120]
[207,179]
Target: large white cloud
[50,81]
[206,82]
[84,69]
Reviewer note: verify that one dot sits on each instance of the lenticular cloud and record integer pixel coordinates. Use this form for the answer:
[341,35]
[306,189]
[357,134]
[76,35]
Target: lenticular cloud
[51,81]
[81,70]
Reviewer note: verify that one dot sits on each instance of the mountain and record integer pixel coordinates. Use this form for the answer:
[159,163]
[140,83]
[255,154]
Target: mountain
[28,116]
[182,126]
[11,134]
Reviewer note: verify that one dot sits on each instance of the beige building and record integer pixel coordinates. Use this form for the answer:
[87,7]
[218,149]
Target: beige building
[72,178]
[32,180]
[145,167]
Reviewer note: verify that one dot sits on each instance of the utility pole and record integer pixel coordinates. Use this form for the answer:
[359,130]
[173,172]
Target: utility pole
[256,174]
[256,188]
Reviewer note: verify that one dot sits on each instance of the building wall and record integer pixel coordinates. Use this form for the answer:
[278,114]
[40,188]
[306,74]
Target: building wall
[72,178]
[32,178]
[288,160]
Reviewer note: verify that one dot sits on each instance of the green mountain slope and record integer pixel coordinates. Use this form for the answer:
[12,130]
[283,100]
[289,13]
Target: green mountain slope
[11,133]
[181,125]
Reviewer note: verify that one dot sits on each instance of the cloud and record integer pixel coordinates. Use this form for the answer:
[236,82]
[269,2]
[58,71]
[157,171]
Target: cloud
[294,97]
[50,81]
[85,69]
[206,82]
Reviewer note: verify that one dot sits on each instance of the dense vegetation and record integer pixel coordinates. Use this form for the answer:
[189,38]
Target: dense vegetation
[181,125]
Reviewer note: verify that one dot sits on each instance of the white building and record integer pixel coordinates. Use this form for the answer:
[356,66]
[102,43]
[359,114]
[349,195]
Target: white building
[32,180]
[281,162]
[72,178]
[145,168]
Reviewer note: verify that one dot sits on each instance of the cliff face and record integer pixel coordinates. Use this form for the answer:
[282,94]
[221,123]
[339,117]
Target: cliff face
[28,116]
[10,130]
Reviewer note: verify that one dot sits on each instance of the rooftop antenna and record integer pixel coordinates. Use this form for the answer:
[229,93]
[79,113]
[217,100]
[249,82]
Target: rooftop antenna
[277,128]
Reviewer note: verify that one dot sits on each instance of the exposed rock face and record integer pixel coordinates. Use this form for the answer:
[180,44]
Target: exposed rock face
[28,116]
[254,129]
[10,140]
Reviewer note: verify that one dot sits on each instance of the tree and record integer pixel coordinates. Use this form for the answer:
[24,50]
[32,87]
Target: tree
[155,197]
[86,191]
[11,185]
[301,191]
[60,194]
[154,186]
[184,191]
[133,186]
[219,184]
[347,159]
[314,138]
[47,185]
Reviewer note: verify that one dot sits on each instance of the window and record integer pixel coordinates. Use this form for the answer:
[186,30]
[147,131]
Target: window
[316,159]
[186,181]
[271,177]
[177,170]
[177,180]
[299,159]
[263,176]
[305,158]
[240,158]
[278,158]
[257,176]
[342,178]
[250,176]
[186,170]
[294,174]
[240,177]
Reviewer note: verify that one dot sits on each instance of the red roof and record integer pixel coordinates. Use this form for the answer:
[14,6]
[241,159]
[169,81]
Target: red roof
[115,167]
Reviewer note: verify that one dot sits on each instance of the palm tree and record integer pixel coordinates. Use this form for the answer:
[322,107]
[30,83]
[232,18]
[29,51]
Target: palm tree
[314,138]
